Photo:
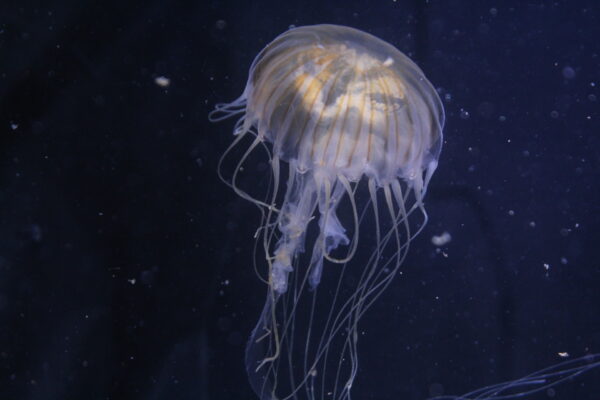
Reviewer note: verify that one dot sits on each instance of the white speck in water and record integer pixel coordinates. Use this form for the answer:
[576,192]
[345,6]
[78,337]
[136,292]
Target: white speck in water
[440,240]
[132,281]
[546,266]
[464,114]
[532,224]
[568,72]
[563,354]
[162,81]
[564,261]
[564,232]
[511,212]
[388,61]
[14,126]
[221,24]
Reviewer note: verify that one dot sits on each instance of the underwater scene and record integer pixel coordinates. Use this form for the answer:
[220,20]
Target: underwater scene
[300,200]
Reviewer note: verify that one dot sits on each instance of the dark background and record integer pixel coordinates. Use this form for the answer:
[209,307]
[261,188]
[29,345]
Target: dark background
[124,262]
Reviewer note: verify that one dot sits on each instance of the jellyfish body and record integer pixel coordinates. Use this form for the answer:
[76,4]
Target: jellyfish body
[358,128]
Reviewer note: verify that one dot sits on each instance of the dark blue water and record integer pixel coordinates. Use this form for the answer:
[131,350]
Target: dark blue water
[125,264]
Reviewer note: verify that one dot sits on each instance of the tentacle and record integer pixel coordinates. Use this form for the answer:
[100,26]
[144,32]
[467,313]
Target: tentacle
[240,192]
[533,383]
[223,111]
[354,242]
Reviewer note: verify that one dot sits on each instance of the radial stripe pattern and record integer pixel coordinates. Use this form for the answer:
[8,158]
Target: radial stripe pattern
[340,100]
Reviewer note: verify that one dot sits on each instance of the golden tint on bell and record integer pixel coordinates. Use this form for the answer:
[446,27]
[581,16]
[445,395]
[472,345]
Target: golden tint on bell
[338,98]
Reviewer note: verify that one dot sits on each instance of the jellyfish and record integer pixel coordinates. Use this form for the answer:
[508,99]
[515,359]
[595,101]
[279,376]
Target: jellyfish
[354,128]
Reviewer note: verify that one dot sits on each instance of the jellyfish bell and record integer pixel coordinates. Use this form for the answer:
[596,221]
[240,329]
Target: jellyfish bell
[339,101]
[342,111]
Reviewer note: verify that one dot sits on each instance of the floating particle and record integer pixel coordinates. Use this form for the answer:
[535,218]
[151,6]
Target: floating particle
[546,266]
[563,354]
[162,81]
[464,114]
[440,240]
[568,72]
[221,24]
[36,233]
[565,232]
